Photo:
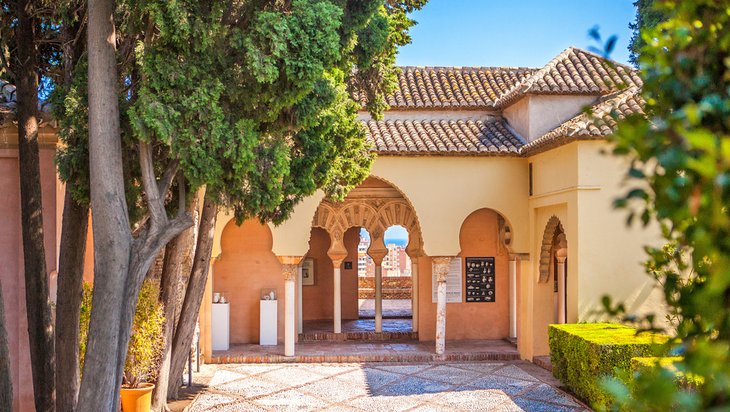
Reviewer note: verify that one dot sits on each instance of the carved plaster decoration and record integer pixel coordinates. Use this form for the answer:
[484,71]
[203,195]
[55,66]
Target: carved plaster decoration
[441,267]
[289,270]
[505,236]
[375,215]
[552,229]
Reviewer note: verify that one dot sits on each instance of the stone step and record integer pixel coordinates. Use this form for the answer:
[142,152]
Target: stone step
[543,362]
[356,336]
[357,358]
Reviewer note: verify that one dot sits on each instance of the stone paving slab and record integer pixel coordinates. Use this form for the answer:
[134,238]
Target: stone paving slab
[427,386]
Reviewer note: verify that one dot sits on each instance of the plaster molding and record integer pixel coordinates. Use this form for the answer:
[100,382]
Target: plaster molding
[373,214]
[441,267]
[553,228]
[290,271]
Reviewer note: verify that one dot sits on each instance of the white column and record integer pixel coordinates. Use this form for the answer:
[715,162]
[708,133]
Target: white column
[300,314]
[561,289]
[289,306]
[513,297]
[337,298]
[441,267]
[378,298]
[414,294]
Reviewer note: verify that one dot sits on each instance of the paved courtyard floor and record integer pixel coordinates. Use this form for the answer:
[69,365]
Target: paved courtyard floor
[455,386]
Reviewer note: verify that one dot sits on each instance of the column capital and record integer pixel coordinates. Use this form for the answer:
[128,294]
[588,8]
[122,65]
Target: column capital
[289,270]
[290,260]
[441,267]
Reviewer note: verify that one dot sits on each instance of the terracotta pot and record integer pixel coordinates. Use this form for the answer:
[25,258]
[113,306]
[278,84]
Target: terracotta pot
[137,399]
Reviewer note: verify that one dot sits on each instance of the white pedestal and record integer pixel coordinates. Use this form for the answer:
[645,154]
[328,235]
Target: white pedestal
[268,322]
[220,325]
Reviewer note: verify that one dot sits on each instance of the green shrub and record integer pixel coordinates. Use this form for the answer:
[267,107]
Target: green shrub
[583,354]
[669,364]
[84,318]
[145,343]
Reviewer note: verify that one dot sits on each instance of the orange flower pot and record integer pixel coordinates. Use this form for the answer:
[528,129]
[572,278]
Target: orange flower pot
[137,399]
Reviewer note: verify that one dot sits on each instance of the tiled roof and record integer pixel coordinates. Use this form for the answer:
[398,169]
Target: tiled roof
[468,136]
[597,123]
[574,71]
[452,88]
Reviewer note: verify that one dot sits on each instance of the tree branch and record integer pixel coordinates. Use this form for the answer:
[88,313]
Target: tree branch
[155,203]
[166,181]
[181,195]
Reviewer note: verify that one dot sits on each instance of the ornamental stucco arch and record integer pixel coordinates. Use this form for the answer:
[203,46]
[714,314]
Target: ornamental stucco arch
[374,214]
[552,228]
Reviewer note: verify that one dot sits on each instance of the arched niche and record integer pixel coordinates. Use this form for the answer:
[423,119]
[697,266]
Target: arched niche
[553,229]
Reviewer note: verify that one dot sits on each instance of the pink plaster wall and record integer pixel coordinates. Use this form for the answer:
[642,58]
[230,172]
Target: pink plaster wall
[11,263]
[318,299]
[479,238]
[246,266]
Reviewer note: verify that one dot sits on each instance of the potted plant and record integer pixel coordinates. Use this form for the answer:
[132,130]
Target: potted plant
[143,353]
[144,350]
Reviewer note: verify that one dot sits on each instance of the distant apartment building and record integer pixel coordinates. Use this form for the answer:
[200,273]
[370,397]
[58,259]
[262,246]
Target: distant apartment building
[395,263]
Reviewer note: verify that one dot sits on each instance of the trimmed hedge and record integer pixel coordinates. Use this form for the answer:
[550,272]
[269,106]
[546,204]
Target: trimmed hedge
[668,363]
[582,354]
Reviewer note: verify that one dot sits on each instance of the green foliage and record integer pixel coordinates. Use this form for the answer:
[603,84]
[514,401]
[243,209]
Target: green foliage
[84,319]
[583,354]
[680,174]
[71,109]
[647,17]
[252,99]
[145,344]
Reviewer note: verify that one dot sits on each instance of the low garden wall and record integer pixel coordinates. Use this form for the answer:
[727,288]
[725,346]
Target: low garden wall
[393,287]
[583,354]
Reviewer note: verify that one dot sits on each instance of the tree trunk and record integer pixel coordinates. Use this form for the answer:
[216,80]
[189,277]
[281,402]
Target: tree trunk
[112,237]
[68,308]
[172,267]
[193,295]
[6,378]
[120,263]
[37,298]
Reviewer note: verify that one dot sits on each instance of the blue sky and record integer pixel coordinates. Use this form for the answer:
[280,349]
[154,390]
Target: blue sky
[394,234]
[525,33]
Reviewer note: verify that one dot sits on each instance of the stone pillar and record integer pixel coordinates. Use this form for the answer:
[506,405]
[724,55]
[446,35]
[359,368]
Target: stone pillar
[414,254]
[561,288]
[337,253]
[377,252]
[441,269]
[513,296]
[289,266]
[414,294]
[300,313]
[561,255]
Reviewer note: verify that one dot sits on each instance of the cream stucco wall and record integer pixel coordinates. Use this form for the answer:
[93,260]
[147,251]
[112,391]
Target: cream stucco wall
[577,183]
[532,116]
[611,254]
[443,191]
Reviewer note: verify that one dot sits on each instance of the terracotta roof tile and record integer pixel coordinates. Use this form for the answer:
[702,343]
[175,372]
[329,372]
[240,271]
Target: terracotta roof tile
[452,87]
[574,71]
[598,123]
[468,136]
